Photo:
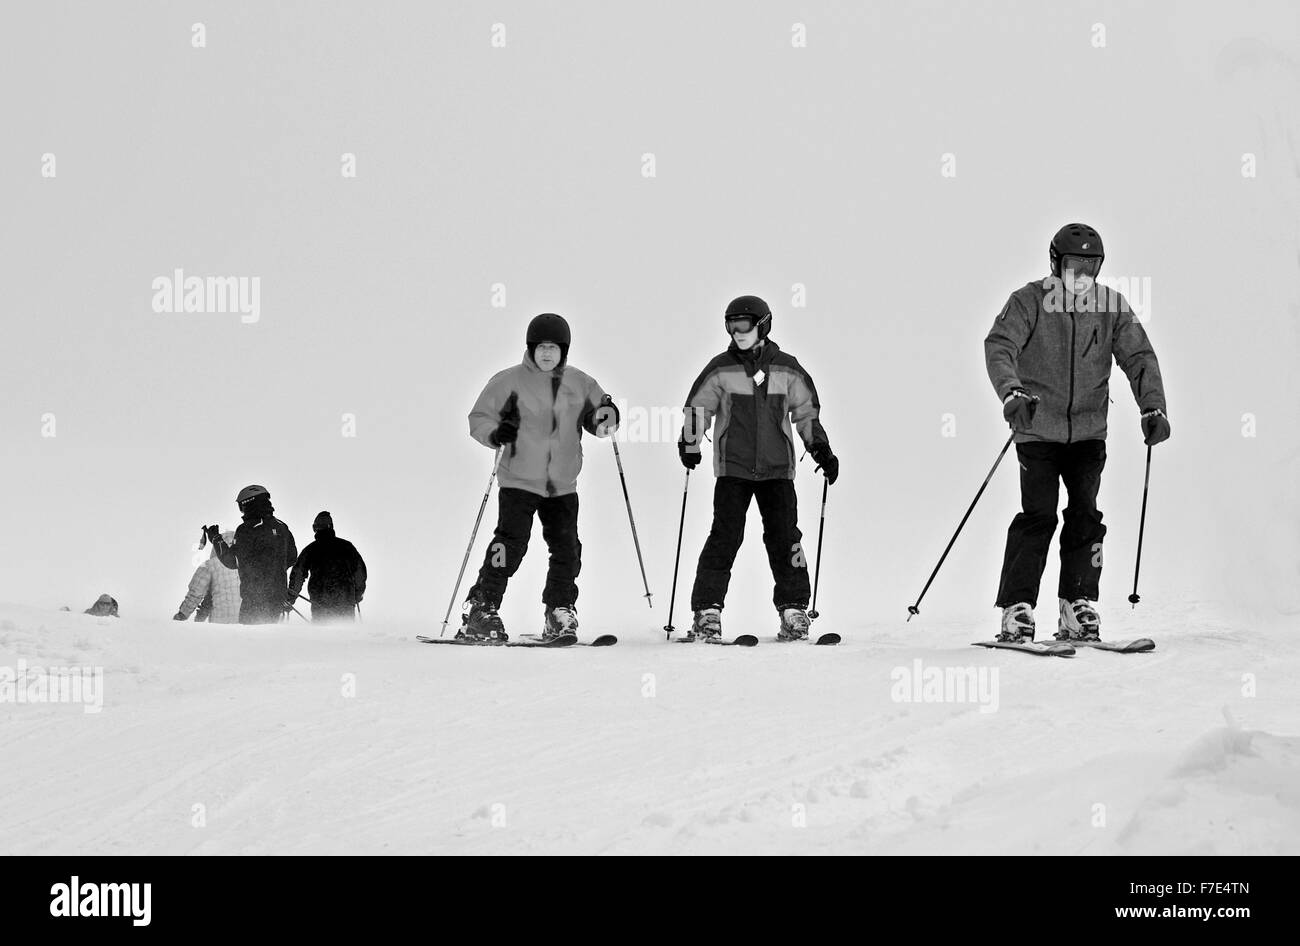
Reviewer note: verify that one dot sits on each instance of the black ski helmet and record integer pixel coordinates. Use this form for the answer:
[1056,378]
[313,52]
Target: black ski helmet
[251,492]
[1075,239]
[751,306]
[548,327]
[250,499]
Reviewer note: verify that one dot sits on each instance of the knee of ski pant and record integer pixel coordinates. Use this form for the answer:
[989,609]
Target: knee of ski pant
[1042,517]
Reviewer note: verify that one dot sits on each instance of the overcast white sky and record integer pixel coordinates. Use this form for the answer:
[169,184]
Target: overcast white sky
[522,165]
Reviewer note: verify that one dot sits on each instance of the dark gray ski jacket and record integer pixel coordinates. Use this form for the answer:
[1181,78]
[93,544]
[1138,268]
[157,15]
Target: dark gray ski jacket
[1064,356]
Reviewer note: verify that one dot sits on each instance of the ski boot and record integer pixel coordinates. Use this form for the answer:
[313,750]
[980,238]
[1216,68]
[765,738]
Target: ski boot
[560,621]
[482,623]
[1017,624]
[707,625]
[1079,621]
[794,625]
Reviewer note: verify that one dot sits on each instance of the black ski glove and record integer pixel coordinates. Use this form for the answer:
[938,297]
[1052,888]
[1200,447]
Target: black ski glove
[213,532]
[1155,427]
[1018,409]
[826,461]
[508,429]
[605,418]
[179,616]
[690,458]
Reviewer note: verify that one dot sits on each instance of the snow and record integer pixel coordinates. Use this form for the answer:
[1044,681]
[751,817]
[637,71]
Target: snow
[230,740]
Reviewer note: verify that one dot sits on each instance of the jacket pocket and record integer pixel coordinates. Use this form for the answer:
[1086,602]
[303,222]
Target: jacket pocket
[1091,342]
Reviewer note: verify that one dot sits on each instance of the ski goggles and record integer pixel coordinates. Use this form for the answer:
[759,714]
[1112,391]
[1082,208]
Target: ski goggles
[742,323]
[1081,265]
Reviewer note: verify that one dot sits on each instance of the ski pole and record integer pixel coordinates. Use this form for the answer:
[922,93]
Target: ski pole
[821,527]
[672,598]
[635,541]
[483,505]
[1142,524]
[916,608]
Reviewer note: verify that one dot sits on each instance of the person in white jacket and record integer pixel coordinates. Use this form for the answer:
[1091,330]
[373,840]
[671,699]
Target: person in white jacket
[215,579]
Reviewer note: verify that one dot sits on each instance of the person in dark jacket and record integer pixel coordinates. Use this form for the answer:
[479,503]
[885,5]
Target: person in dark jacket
[338,574]
[754,390]
[1049,356]
[264,549]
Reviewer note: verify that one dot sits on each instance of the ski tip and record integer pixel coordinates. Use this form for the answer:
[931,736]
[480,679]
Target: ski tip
[827,639]
[1053,649]
[604,640]
[746,640]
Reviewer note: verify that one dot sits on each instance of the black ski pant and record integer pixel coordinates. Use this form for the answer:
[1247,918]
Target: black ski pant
[559,515]
[779,507]
[1043,467]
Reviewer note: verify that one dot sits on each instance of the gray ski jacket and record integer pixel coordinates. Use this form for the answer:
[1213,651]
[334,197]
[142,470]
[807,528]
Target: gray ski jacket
[1063,355]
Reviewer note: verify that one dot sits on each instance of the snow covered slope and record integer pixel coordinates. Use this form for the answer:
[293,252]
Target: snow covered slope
[225,740]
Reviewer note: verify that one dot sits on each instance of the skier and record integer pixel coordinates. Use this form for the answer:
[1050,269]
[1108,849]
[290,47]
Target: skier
[755,390]
[1049,358]
[534,413]
[263,550]
[216,586]
[338,574]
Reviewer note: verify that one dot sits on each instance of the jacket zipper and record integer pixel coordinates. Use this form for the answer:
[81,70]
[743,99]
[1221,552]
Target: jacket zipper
[1069,406]
[1092,341]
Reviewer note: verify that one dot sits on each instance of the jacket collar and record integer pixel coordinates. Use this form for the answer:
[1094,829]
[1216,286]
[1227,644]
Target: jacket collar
[754,359]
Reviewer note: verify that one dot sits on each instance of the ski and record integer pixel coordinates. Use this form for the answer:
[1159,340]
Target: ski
[822,640]
[1053,649]
[602,640]
[1139,645]
[744,640]
[568,640]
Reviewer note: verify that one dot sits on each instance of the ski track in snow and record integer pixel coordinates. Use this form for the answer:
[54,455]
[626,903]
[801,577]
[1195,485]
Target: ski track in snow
[778,749]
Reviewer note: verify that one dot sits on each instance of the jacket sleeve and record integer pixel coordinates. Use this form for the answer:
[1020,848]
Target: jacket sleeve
[702,403]
[224,552]
[290,548]
[198,589]
[805,409]
[1002,347]
[358,577]
[301,569]
[1137,359]
[595,394]
[486,413]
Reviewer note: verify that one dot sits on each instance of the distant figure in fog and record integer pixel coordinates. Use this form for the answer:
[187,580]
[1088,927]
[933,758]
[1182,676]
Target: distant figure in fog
[338,574]
[214,590]
[263,551]
[105,606]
